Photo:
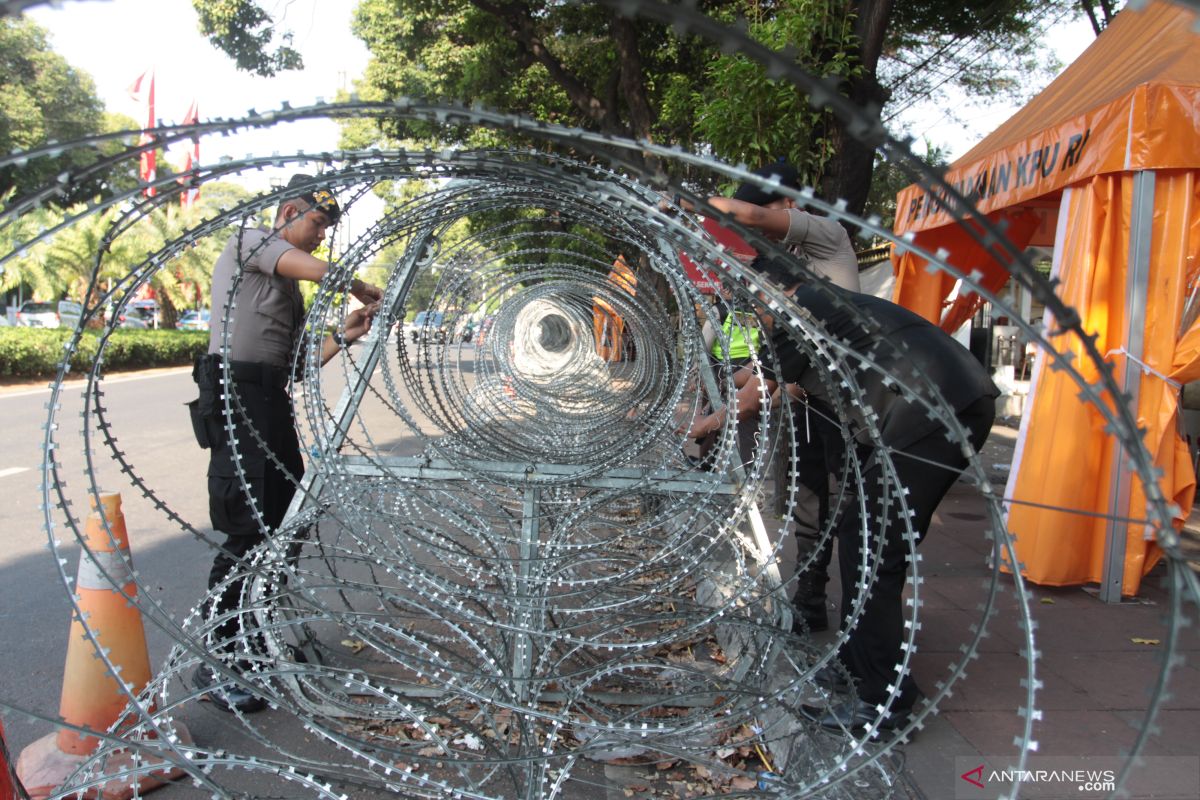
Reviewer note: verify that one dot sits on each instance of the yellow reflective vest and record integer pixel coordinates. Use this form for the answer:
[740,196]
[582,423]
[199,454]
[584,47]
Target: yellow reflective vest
[736,334]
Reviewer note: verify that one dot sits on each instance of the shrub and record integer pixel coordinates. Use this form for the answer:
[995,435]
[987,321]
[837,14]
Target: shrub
[37,352]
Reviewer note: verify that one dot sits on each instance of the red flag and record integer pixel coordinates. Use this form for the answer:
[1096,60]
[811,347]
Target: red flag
[190,196]
[138,87]
[142,90]
[193,114]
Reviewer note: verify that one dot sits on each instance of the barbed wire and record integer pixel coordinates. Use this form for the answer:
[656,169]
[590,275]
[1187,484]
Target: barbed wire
[505,567]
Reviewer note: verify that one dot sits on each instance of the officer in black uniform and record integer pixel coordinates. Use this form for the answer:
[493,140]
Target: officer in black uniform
[888,346]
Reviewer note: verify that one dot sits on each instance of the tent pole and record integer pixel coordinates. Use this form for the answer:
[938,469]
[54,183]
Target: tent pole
[1141,218]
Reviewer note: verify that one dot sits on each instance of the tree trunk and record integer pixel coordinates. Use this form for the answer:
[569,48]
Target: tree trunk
[632,83]
[848,174]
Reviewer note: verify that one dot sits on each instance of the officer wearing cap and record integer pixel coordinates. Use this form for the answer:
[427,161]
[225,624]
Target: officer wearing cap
[821,244]
[823,248]
[258,321]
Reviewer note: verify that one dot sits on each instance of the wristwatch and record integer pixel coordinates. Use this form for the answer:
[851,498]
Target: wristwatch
[339,339]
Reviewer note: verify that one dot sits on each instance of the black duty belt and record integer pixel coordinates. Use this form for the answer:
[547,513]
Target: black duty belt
[263,374]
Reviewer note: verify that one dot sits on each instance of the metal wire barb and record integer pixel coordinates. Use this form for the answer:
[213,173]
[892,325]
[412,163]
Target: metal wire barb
[506,566]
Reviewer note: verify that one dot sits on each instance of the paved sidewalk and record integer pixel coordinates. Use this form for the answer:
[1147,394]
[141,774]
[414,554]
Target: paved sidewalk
[1099,665]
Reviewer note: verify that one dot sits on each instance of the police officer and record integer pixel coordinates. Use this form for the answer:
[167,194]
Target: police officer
[918,461]
[258,321]
[823,248]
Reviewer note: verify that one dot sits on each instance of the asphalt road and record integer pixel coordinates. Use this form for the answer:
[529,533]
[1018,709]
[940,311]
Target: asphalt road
[152,432]
[150,425]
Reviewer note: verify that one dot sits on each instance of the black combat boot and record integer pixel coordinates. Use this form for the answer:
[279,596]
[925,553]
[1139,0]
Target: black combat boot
[809,602]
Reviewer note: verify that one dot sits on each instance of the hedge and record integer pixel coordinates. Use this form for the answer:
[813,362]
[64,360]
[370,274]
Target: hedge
[36,352]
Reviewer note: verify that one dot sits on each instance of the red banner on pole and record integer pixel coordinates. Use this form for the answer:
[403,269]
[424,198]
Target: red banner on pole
[142,90]
[190,195]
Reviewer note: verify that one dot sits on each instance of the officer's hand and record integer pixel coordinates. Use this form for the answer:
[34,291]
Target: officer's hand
[668,206]
[699,426]
[365,292]
[358,321]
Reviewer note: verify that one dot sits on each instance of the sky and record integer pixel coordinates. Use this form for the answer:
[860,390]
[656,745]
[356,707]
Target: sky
[117,40]
[934,120]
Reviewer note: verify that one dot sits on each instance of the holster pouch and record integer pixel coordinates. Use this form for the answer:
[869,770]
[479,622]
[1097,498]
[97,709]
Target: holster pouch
[199,424]
[205,410]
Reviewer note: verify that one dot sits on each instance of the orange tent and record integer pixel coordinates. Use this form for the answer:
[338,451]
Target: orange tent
[1105,165]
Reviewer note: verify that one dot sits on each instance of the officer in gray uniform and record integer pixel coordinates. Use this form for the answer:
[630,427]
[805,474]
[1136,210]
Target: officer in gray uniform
[260,339]
[822,247]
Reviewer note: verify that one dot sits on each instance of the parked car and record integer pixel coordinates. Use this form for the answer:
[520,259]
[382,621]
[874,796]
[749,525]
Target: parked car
[145,310]
[131,317]
[429,326]
[195,320]
[33,314]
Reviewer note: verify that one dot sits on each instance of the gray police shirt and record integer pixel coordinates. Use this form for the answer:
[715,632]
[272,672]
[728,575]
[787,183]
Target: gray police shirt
[268,315]
[825,244]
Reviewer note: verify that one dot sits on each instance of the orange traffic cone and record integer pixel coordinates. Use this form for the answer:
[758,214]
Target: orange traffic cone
[91,697]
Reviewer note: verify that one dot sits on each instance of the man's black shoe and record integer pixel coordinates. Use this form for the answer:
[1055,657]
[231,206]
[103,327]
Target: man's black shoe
[854,716]
[226,696]
[809,619]
[832,679]
[809,601]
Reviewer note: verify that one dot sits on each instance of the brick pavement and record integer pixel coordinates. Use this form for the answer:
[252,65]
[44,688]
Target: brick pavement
[1098,682]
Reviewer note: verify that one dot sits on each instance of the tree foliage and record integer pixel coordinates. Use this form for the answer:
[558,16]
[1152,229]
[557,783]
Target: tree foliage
[572,64]
[63,265]
[888,179]
[43,99]
[746,116]
[585,65]
[245,32]
[982,47]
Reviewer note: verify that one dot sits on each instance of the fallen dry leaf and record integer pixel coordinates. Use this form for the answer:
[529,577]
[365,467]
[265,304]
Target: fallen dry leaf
[1140,640]
[355,645]
[1047,601]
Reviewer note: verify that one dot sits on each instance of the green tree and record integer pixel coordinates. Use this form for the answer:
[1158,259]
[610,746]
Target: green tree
[907,52]
[572,64]
[63,265]
[44,99]
[746,116]
[27,267]
[584,64]
[247,33]
[888,179]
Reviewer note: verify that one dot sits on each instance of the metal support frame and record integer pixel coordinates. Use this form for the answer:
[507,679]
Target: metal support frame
[528,602]
[1141,219]
[530,477]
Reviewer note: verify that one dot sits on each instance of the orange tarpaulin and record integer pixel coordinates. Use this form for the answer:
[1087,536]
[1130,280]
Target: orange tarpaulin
[924,292]
[1128,110]
[1066,457]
